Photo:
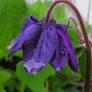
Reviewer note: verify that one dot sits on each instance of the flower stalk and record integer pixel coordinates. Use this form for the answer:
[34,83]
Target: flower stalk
[88,48]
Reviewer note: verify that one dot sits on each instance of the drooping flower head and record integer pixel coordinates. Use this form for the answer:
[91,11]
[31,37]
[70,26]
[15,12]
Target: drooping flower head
[44,43]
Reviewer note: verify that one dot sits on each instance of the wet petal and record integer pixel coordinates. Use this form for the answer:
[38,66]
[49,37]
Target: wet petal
[46,46]
[68,44]
[61,58]
[43,52]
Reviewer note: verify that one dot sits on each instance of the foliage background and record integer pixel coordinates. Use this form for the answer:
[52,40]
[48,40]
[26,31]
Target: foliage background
[13,77]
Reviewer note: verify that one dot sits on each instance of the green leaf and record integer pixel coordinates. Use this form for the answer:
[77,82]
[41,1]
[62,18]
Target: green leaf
[58,12]
[38,9]
[70,80]
[79,51]
[73,37]
[2,89]
[72,89]
[82,64]
[35,82]
[4,76]
[11,20]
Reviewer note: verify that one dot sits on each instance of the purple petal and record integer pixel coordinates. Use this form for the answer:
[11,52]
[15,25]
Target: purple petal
[43,19]
[31,34]
[46,46]
[61,58]
[32,67]
[43,53]
[52,21]
[29,21]
[68,44]
[64,27]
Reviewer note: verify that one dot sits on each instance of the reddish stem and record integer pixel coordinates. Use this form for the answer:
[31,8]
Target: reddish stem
[88,48]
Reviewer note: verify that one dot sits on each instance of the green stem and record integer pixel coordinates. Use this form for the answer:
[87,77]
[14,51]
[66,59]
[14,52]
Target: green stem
[22,87]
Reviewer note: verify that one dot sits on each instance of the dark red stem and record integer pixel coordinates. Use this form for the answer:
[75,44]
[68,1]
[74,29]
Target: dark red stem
[88,48]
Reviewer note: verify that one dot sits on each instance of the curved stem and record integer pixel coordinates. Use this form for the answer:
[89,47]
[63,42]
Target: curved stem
[77,28]
[88,48]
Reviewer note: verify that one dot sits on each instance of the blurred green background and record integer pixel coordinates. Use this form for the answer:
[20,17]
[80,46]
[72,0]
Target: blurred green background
[13,77]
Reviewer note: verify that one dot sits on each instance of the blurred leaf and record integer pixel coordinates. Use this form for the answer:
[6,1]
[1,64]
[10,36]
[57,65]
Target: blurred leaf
[2,88]
[4,76]
[67,71]
[61,21]
[70,80]
[46,72]
[72,89]
[79,51]
[35,82]
[82,64]
[59,90]
[38,9]
[58,12]
[11,20]
[73,37]
[63,78]
[11,84]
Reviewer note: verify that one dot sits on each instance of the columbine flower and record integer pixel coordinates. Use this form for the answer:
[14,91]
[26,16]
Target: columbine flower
[44,43]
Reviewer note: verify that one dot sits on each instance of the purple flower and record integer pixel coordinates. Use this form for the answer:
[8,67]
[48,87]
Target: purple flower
[44,43]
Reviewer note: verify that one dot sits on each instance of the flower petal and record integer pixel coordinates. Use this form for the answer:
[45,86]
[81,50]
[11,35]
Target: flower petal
[52,21]
[61,58]
[68,44]
[62,26]
[31,34]
[32,67]
[29,21]
[44,51]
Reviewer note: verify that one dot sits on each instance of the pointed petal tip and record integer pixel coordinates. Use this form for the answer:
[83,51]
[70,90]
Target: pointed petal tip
[33,70]
[9,54]
[74,67]
[32,67]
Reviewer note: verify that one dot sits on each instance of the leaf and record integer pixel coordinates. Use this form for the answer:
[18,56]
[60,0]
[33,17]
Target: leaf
[46,72]
[73,37]
[79,51]
[58,12]
[72,89]
[82,64]
[2,89]
[4,76]
[11,20]
[38,9]
[35,82]
[70,80]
